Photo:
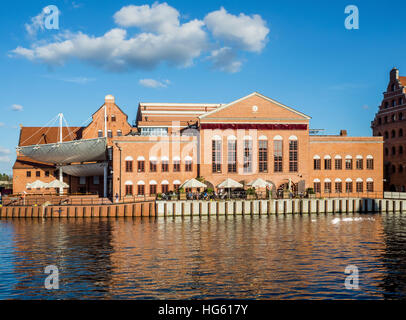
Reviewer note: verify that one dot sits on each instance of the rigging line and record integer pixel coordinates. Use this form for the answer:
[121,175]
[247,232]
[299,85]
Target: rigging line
[70,133]
[50,121]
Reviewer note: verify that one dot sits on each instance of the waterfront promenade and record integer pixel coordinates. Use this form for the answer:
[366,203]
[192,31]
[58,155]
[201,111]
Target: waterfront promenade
[153,208]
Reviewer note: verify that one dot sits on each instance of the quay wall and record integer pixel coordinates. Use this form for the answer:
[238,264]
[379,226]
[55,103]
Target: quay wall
[198,208]
[138,209]
[288,206]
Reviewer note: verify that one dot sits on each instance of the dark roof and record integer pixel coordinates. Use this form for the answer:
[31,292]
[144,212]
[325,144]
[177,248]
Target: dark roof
[36,135]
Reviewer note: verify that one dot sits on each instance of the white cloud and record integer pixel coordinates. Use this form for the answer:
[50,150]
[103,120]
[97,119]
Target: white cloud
[115,51]
[161,38]
[151,83]
[224,59]
[244,31]
[160,18]
[36,24]
[17,107]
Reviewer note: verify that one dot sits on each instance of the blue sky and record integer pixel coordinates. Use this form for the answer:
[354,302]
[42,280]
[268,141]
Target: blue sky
[296,52]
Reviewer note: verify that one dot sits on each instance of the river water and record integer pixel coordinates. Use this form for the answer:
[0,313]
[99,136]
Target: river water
[258,257]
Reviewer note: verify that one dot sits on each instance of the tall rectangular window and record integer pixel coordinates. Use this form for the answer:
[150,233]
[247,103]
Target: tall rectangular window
[165,166]
[128,166]
[370,164]
[216,156]
[128,190]
[348,187]
[359,187]
[141,189]
[152,189]
[188,165]
[263,155]
[359,164]
[316,164]
[348,164]
[327,187]
[293,150]
[141,166]
[277,154]
[370,186]
[152,166]
[317,187]
[164,188]
[176,166]
[247,156]
[232,156]
[339,187]
[327,164]
[338,164]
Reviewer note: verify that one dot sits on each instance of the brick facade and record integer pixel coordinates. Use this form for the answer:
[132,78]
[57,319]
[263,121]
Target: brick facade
[251,137]
[389,123]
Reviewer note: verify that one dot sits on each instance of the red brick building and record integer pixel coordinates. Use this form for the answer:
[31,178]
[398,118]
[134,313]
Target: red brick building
[249,138]
[389,123]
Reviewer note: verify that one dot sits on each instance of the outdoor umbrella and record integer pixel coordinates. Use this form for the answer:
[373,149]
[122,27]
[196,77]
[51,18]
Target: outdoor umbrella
[193,183]
[259,183]
[56,184]
[229,184]
[36,184]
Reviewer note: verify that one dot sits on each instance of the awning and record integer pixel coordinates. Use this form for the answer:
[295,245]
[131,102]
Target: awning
[85,170]
[193,183]
[229,183]
[67,152]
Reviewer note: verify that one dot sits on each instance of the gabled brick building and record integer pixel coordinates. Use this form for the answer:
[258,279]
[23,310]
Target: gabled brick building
[252,137]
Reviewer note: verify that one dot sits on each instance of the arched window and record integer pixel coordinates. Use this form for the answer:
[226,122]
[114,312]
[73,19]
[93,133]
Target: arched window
[348,185]
[348,162]
[370,162]
[393,103]
[400,115]
[359,162]
[152,187]
[400,132]
[393,117]
[338,162]
[393,133]
[165,186]
[188,164]
[128,188]
[327,162]
[386,135]
[386,151]
[400,101]
[400,149]
[393,151]
[393,169]
[129,164]
[316,162]
[141,188]
[370,185]
[338,185]
[400,168]
[316,185]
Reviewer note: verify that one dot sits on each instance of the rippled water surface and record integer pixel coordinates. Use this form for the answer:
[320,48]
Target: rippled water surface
[259,257]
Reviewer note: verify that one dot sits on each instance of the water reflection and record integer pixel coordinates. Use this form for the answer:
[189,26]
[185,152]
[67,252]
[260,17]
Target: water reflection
[275,257]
